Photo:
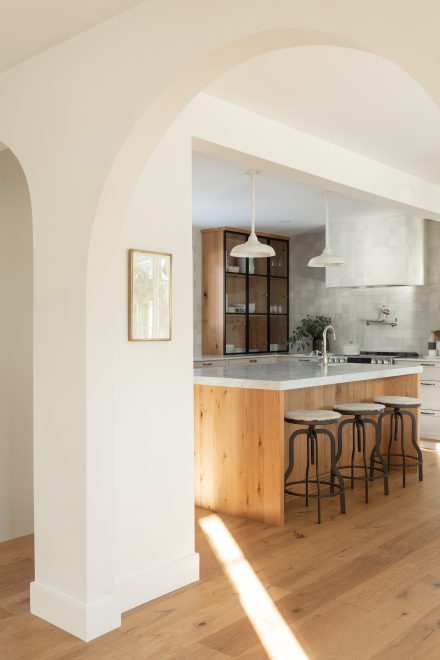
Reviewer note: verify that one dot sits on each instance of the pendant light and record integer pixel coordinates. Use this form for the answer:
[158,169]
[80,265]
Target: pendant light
[327,258]
[252,249]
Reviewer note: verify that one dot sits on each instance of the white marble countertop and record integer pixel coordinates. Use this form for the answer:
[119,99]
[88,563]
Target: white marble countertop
[237,356]
[425,358]
[294,375]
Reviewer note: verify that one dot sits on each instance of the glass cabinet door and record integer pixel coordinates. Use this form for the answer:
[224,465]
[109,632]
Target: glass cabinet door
[234,264]
[259,266]
[257,295]
[278,333]
[235,333]
[235,302]
[279,263]
[256,298]
[258,333]
[278,296]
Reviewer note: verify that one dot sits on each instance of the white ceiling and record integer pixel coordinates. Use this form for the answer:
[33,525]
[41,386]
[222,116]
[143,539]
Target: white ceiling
[28,27]
[222,197]
[354,99]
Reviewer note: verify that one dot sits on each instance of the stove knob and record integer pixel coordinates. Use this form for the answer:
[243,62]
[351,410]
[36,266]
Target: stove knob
[380,362]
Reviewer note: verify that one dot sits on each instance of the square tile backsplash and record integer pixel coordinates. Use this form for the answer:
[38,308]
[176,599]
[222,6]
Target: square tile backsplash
[417,308]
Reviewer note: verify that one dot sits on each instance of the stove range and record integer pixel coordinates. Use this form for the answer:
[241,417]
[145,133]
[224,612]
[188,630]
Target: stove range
[372,357]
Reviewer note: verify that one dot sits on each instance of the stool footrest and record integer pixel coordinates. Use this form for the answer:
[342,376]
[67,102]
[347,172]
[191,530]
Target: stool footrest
[336,486]
[362,467]
[416,460]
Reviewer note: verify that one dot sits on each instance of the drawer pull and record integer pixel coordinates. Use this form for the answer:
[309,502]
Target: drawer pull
[206,364]
[429,384]
[426,413]
[428,364]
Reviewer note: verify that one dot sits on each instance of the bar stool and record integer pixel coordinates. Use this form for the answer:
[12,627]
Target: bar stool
[398,405]
[361,415]
[311,418]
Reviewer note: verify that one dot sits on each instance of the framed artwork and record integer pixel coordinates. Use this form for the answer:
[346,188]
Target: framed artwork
[149,295]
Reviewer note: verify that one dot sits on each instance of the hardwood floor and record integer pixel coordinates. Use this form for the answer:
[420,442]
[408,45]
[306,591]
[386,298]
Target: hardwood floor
[364,585]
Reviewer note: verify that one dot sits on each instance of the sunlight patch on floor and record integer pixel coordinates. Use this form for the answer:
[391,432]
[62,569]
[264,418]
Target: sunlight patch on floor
[274,633]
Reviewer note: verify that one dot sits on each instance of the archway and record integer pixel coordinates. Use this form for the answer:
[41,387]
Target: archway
[16,350]
[105,268]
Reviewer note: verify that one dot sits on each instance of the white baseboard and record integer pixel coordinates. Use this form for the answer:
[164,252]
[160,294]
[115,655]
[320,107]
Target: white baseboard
[85,621]
[146,585]
[88,621]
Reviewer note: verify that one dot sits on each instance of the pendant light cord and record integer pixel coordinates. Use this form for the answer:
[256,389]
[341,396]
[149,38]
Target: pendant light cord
[253,174]
[327,213]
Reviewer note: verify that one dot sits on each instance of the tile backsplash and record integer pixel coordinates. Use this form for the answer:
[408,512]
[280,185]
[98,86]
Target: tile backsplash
[417,308]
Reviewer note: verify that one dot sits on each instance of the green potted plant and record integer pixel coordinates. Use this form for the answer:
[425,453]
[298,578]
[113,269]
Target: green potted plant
[310,329]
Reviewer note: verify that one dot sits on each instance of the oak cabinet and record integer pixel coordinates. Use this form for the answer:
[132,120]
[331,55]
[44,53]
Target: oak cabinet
[245,302]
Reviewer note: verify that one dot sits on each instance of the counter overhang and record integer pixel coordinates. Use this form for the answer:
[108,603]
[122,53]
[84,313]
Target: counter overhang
[297,376]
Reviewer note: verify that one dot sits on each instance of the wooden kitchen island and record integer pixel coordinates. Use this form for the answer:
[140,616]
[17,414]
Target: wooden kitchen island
[241,437]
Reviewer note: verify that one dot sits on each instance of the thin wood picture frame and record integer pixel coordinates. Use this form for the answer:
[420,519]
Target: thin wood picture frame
[149,295]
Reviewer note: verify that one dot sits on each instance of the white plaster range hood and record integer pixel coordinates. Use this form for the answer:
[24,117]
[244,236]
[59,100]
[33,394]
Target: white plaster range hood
[386,250]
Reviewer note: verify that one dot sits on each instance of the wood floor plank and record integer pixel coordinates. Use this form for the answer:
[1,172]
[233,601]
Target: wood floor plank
[364,585]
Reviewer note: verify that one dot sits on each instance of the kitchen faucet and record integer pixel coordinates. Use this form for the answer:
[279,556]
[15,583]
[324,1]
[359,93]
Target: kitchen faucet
[324,343]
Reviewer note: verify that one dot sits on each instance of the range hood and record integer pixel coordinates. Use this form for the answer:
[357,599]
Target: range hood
[380,251]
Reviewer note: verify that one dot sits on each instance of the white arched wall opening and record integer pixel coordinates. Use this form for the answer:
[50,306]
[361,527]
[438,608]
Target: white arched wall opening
[68,114]
[139,396]
[16,368]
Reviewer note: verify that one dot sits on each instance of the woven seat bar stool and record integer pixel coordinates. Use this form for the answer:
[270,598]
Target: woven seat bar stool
[360,415]
[311,418]
[398,410]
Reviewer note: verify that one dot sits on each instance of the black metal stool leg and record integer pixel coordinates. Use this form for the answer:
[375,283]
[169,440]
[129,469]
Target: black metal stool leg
[292,439]
[361,429]
[334,468]
[402,445]
[375,447]
[414,441]
[377,451]
[318,483]
[308,441]
[353,437]
[393,435]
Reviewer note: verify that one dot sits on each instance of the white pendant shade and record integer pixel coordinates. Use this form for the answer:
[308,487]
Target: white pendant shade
[252,249]
[327,258]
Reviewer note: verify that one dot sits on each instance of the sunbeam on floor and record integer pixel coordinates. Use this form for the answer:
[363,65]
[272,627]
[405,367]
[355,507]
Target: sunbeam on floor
[274,633]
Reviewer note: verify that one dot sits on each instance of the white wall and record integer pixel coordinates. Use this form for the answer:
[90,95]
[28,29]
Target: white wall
[153,402]
[416,307]
[16,484]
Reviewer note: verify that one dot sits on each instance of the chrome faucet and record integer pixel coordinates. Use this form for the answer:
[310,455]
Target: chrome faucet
[324,343]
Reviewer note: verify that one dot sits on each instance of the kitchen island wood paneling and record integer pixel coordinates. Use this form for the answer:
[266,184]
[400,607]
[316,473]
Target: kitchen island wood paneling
[241,437]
